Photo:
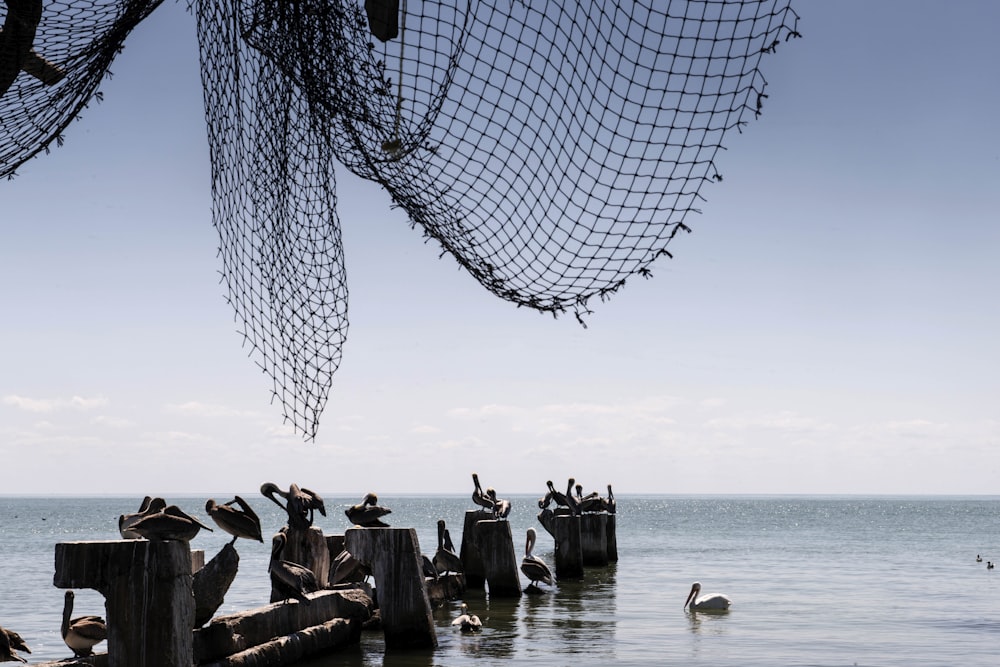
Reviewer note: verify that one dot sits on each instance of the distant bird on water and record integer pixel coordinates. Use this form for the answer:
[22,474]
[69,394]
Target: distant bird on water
[979,559]
[171,523]
[242,522]
[468,623]
[290,580]
[707,602]
[368,513]
[534,568]
[83,633]
[10,641]
[989,565]
[126,521]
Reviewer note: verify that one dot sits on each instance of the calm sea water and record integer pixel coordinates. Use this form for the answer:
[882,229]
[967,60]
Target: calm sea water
[879,581]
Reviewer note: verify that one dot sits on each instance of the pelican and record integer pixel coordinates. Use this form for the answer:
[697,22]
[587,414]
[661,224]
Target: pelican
[428,567]
[290,580]
[571,500]
[468,622]
[989,565]
[368,513]
[592,502]
[478,497]
[300,503]
[612,506]
[81,634]
[979,559]
[501,508]
[171,523]
[545,501]
[242,522]
[445,559]
[557,496]
[10,641]
[534,568]
[126,521]
[708,602]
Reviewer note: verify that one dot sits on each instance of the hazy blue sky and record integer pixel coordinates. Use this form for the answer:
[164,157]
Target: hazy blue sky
[831,325]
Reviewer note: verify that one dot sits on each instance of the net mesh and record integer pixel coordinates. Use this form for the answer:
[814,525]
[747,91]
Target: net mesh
[553,149]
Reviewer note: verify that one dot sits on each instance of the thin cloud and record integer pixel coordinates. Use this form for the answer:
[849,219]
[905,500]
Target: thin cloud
[53,404]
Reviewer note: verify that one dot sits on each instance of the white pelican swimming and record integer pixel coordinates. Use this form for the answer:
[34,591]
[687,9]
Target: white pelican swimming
[707,602]
[467,622]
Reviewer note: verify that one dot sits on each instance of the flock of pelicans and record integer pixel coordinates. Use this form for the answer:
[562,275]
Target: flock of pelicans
[156,521]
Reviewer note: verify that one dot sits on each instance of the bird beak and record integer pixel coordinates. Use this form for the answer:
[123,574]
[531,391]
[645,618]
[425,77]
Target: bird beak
[690,596]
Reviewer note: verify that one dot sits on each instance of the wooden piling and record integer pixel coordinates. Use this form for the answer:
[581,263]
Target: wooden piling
[612,539]
[569,550]
[148,596]
[394,557]
[472,562]
[594,538]
[500,563]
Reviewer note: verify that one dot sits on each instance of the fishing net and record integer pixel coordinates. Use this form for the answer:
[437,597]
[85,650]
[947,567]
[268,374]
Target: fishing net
[554,149]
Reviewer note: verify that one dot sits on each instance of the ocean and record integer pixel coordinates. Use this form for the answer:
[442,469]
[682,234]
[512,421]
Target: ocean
[815,581]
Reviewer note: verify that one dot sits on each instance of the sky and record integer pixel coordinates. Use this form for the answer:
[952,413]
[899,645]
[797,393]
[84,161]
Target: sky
[829,327]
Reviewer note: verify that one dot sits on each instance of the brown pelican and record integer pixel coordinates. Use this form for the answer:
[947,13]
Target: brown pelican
[534,568]
[242,522]
[10,641]
[545,501]
[571,500]
[468,622]
[979,559]
[368,513]
[612,507]
[428,567]
[126,521]
[478,497]
[707,602]
[558,497]
[989,565]
[501,508]
[171,523]
[300,503]
[592,502]
[81,634]
[290,580]
[445,559]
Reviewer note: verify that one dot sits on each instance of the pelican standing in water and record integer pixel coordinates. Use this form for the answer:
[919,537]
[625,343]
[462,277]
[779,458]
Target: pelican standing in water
[290,580]
[126,521]
[368,513]
[707,602]
[467,622]
[242,522]
[83,633]
[10,641]
[534,568]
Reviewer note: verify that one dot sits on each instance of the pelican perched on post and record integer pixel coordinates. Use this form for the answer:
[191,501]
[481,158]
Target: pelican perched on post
[290,580]
[468,622]
[300,503]
[368,513]
[707,602]
[126,521]
[83,633]
[445,559]
[171,523]
[479,497]
[534,568]
[10,641]
[557,496]
[501,507]
[242,522]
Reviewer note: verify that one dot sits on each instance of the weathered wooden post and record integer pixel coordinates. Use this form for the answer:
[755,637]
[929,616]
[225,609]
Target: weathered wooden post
[569,551]
[394,557]
[612,539]
[308,548]
[594,538]
[472,562]
[147,592]
[496,549]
